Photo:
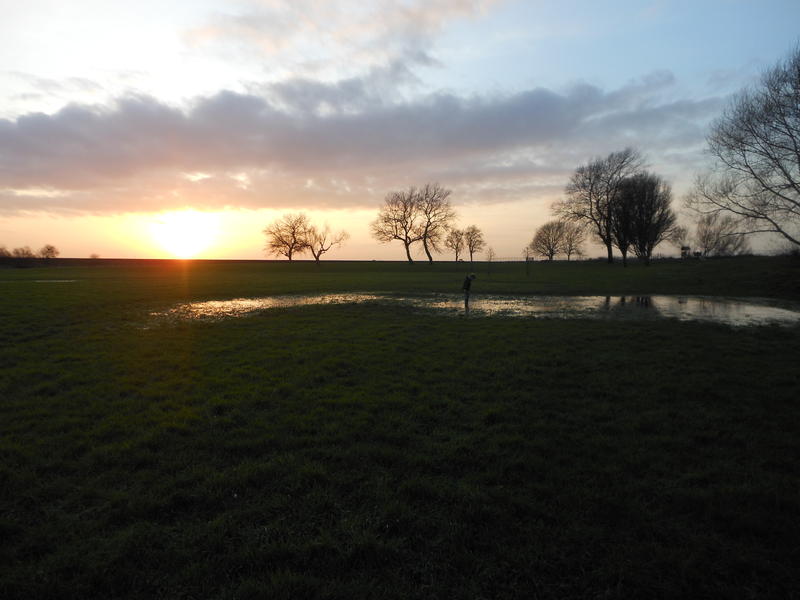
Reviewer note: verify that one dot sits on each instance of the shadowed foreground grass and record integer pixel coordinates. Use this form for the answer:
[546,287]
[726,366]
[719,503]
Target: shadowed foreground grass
[381,452]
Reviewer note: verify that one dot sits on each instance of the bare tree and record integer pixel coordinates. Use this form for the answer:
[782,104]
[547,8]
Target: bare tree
[455,241]
[319,241]
[679,236]
[23,252]
[717,235]
[399,219]
[288,235]
[94,256]
[652,218]
[623,210]
[574,237]
[548,239]
[4,253]
[756,144]
[592,189]
[436,216]
[48,251]
[491,256]
[473,239]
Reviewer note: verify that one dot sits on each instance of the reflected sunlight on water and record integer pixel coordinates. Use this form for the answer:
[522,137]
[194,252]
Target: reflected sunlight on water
[731,311]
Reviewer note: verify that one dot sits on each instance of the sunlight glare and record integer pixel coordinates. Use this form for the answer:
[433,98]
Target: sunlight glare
[185,233]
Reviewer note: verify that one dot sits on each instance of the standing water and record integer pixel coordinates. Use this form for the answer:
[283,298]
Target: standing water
[730,311]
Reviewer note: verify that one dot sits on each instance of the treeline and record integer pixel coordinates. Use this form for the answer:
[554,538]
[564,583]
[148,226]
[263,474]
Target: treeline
[24,254]
[424,215]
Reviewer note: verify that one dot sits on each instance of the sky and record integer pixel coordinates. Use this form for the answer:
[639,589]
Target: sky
[160,129]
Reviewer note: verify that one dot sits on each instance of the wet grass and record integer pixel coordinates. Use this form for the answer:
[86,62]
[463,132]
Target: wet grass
[382,452]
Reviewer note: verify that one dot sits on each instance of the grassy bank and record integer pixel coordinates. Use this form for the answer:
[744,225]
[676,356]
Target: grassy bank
[375,452]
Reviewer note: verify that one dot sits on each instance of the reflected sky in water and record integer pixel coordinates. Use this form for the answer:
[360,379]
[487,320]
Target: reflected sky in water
[730,311]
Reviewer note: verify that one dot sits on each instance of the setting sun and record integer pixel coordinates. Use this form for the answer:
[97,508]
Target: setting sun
[186,233]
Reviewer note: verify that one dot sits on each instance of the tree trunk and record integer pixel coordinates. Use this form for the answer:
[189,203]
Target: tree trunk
[624,258]
[428,252]
[408,253]
[610,252]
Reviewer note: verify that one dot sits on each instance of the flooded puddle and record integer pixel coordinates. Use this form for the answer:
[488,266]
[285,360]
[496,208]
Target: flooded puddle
[731,311]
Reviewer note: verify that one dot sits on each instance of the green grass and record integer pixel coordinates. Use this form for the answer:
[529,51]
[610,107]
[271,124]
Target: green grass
[381,452]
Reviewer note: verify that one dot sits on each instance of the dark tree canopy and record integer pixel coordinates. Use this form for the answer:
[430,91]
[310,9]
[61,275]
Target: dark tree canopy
[288,235]
[650,218]
[592,189]
[48,251]
[473,239]
[548,239]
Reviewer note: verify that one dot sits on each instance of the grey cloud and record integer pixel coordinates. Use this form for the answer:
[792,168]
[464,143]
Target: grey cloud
[123,157]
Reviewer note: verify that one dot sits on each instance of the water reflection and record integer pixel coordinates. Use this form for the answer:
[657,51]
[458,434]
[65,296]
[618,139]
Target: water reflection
[731,311]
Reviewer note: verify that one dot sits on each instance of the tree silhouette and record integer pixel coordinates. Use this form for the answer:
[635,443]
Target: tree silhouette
[399,219]
[548,239]
[288,235]
[455,241]
[756,144]
[473,239]
[591,192]
[319,241]
[48,251]
[437,215]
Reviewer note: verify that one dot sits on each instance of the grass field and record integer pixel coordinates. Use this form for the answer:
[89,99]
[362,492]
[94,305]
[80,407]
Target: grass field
[382,452]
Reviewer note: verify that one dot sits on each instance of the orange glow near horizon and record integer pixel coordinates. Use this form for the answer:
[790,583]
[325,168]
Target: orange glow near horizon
[185,233]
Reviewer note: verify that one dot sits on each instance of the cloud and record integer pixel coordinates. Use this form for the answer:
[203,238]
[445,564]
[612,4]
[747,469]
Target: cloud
[332,39]
[347,136]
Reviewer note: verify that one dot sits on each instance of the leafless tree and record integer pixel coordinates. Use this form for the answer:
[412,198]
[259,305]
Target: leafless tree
[23,252]
[491,256]
[4,253]
[436,216]
[473,239]
[548,239]
[319,241]
[592,189]
[651,217]
[94,256]
[288,235]
[574,237]
[623,210]
[455,241]
[756,144]
[717,235]
[679,236]
[399,219]
[48,251]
